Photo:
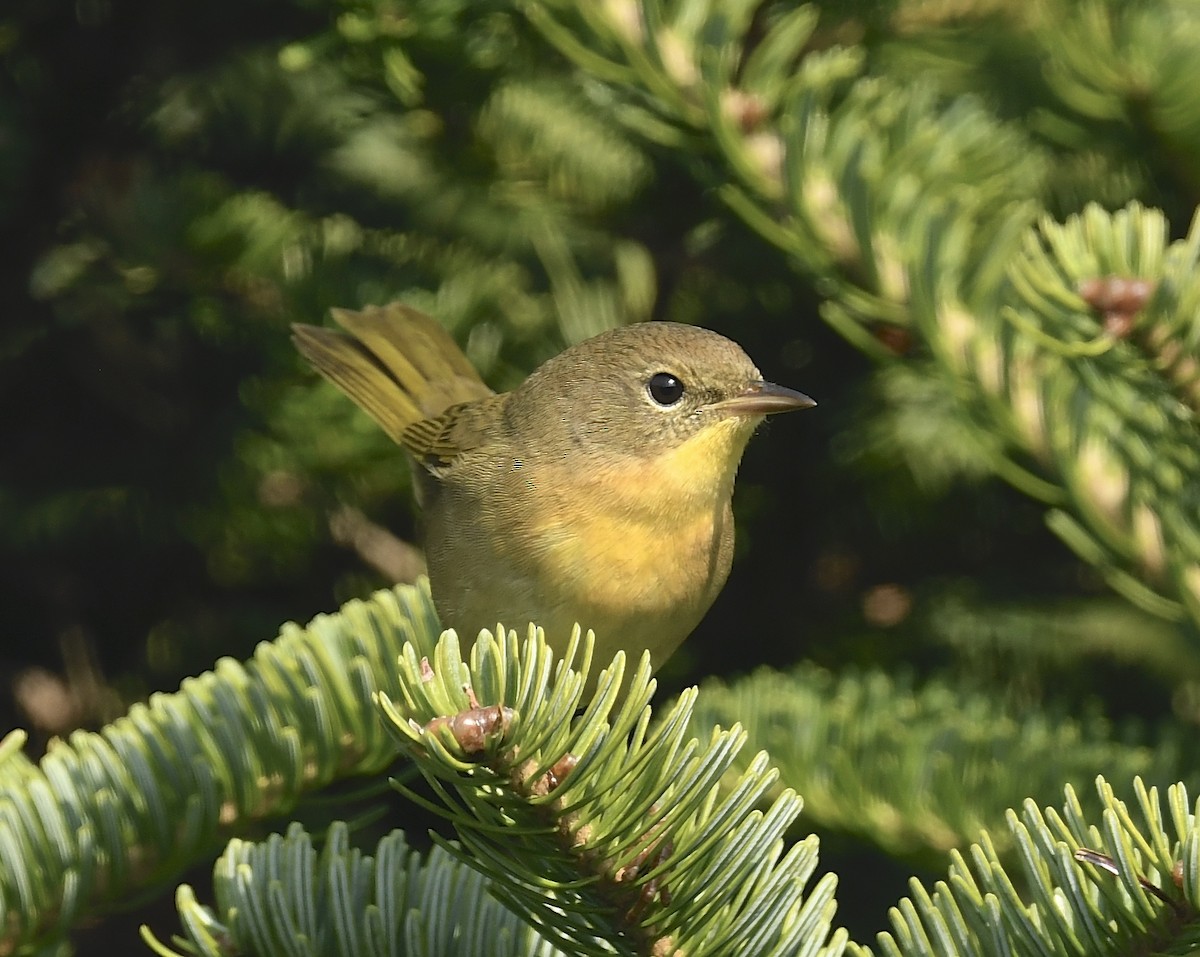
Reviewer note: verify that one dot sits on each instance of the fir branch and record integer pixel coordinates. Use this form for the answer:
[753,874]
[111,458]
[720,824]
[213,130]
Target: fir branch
[826,162]
[104,814]
[601,828]
[1106,410]
[1032,635]
[1100,884]
[610,836]
[1132,64]
[541,131]
[922,769]
[283,896]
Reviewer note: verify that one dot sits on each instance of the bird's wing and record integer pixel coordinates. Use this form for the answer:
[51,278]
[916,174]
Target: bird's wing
[436,442]
[398,364]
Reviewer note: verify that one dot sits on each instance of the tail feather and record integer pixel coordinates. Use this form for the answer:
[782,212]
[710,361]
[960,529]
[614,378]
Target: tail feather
[396,363]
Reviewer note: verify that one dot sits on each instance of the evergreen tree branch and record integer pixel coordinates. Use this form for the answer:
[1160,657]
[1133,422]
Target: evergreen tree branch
[924,769]
[1100,884]
[1129,64]
[608,834]
[105,814]
[1104,405]
[281,895]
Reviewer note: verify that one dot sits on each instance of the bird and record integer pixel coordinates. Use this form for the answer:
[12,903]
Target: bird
[596,493]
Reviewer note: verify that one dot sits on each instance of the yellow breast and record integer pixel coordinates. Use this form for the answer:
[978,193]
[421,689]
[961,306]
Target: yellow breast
[635,548]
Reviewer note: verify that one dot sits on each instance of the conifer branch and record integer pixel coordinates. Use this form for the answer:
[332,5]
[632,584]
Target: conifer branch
[610,835]
[105,814]
[1100,402]
[604,827]
[1120,882]
[281,894]
[923,769]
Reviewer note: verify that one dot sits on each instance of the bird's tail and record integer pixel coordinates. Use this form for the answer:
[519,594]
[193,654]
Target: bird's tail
[396,363]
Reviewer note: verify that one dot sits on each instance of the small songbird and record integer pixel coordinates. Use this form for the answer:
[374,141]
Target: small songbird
[597,492]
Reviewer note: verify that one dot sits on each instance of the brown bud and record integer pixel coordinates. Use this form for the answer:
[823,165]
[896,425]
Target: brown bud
[896,339]
[473,728]
[1118,298]
[747,110]
[554,776]
[560,769]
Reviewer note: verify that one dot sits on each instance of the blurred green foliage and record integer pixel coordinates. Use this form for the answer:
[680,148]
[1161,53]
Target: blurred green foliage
[174,483]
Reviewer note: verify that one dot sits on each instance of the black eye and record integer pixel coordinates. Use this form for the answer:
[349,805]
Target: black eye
[664,388]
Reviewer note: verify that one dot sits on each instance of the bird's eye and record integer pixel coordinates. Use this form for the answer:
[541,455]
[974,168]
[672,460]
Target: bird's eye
[664,388]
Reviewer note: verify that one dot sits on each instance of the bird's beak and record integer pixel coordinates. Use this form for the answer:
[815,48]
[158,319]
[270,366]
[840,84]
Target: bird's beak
[764,398]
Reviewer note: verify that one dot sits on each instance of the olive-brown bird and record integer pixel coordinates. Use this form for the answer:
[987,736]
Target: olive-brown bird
[597,492]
